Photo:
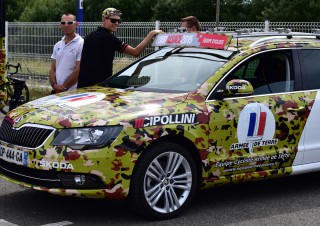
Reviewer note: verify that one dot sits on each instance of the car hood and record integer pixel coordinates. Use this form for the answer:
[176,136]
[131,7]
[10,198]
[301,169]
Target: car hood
[93,106]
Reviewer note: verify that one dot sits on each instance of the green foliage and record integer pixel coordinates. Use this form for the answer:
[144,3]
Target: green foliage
[168,10]
[15,8]
[235,10]
[174,10]
[38,92]
[138,10]
[92,10]
[47,10]
[293,10]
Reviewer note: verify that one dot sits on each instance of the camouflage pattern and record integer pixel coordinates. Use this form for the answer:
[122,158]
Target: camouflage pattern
[3,78]
[265,161]
[110,12]
[207,128]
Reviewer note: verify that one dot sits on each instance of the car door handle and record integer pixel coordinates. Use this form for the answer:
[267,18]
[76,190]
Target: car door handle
[296,109]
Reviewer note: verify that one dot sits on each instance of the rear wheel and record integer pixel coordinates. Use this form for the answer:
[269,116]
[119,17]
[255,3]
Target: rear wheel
[20,95]
[164,181]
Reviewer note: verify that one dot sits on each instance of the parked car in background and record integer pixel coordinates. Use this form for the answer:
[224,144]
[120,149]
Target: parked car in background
[205,109]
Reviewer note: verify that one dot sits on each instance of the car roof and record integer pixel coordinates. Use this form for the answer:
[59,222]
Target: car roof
[239,40]
[243,39]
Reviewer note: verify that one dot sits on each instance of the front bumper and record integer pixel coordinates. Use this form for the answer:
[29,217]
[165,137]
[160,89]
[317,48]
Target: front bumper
[60,183]
[50,179]
[101,173]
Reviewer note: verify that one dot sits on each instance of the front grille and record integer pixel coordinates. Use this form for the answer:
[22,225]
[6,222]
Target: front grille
[48,178]
[28,135]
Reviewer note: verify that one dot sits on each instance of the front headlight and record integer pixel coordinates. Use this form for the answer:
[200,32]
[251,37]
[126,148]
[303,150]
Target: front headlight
[87,138]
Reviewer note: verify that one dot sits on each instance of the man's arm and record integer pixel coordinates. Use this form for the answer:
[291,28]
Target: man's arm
[73,77]
[139,48]
[52,72]
[53,80]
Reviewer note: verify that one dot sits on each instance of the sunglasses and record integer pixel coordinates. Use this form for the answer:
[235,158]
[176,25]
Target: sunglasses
[67,22]
[115,20]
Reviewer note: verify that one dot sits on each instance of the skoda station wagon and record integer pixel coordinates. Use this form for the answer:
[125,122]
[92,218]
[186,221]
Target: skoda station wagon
[205,109]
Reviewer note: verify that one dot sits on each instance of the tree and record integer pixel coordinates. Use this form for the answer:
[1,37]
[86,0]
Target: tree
[256,9]
[168,10]
[174,10]
[15,8]
[47,10]
[234,10]
[92,10]
[293,10]
[138,10]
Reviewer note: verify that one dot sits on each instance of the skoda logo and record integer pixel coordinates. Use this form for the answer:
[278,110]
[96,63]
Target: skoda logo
[17,120]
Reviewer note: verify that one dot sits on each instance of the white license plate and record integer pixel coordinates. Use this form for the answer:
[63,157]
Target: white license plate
[13,155]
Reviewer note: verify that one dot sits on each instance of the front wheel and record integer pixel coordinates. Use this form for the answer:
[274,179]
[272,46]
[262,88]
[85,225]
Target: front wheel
[164,181]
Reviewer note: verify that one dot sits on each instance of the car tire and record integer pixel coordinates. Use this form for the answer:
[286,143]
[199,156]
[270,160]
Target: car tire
[164,181]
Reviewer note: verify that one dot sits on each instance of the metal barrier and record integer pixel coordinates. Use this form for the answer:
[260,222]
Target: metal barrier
[31,44]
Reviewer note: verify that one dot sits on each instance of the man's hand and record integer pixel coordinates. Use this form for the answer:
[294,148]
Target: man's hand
[155,32]
[58,88]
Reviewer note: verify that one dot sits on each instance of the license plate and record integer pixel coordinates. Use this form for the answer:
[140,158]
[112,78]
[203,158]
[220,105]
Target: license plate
[12,155]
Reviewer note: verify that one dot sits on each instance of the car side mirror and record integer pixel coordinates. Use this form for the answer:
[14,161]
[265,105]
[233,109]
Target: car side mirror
[238,87]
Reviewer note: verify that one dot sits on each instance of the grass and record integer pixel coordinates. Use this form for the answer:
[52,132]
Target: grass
[41,66]
[35,71]
[38,93]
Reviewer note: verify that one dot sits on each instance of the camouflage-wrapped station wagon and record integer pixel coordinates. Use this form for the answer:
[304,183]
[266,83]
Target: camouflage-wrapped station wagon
[203,110]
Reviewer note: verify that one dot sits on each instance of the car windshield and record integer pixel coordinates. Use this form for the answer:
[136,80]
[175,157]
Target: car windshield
[170,70]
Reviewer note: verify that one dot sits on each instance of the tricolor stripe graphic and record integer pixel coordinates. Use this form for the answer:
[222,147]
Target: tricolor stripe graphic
[74,96]
[139,123]
[79,97]
[257,125]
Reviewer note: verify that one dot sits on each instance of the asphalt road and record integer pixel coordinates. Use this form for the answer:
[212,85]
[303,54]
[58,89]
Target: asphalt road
[286,201]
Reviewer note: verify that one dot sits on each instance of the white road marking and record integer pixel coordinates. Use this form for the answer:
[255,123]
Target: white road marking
[62,223]
[6,223]
[58,223]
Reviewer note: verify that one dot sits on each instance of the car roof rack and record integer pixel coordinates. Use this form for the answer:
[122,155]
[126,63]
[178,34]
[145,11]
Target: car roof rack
[279,33]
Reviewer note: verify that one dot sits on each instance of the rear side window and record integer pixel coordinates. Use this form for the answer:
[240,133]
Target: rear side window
[267,72]
[311,69]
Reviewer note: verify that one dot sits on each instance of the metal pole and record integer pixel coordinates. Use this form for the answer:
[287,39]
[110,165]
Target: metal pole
[157,25]
[80,16]
[266,25]
[217,13]
[157,28]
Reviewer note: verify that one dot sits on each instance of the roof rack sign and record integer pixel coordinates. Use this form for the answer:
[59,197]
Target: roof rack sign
[214,41]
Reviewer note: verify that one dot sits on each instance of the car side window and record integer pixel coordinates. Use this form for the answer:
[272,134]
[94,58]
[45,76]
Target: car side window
[311,59]
[268,73]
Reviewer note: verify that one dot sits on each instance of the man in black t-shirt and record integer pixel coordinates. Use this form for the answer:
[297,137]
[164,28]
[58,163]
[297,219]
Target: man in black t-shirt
[99,49]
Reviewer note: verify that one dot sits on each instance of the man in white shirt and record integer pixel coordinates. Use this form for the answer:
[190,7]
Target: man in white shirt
[66,56]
